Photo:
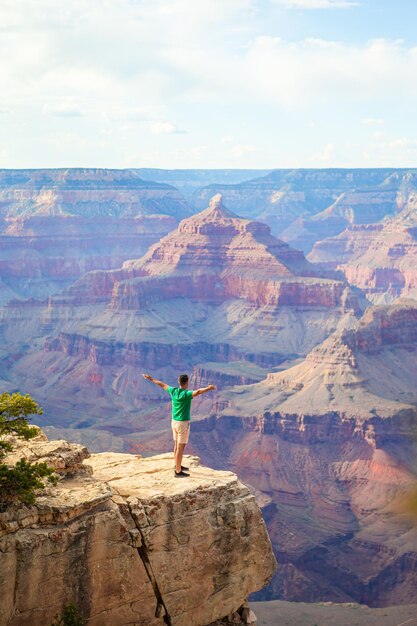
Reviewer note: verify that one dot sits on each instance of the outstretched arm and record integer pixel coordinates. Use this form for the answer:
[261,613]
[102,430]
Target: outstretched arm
[156,382]
[199,392]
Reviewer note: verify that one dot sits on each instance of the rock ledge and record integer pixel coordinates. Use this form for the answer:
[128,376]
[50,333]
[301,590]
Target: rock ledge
[128,543]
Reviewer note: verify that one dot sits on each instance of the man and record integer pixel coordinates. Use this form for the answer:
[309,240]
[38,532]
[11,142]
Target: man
[181,405]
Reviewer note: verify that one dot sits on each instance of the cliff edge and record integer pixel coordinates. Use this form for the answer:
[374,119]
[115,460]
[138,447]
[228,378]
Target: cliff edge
[128,543]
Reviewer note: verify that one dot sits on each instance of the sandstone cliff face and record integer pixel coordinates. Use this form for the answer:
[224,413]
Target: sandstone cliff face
[87,192]
[380,259]
[214,256]
[127,543]
[304,206]
[55,225]
[40,256]
[218,289]
[329,445]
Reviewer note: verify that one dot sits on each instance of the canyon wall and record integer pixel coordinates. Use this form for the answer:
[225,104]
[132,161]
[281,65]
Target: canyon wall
[305,206]
[55,225]
[380,259]
[329,448]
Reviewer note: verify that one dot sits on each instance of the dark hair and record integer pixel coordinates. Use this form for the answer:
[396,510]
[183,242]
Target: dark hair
[183,379]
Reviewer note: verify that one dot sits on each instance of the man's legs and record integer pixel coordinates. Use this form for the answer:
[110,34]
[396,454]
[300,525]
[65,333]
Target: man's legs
[178,456]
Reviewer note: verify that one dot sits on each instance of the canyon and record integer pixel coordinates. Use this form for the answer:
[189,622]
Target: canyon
[314,357]
[218,289]
[50,234]
[380,259]
[328,447]
[303,206]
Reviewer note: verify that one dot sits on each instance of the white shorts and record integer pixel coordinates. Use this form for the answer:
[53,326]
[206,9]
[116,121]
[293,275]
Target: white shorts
[181,431]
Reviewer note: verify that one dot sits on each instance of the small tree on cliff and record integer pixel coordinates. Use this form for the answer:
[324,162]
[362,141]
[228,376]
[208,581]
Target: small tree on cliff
[20,481]
[70,617]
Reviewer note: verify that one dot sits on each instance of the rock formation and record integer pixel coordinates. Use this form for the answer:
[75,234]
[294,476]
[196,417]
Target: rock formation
[324,440]
[216,290]
[86,192]
[328,444]
[127,543]
[42,255]
[55,225]
[304,206]
[190,181]
[380,259]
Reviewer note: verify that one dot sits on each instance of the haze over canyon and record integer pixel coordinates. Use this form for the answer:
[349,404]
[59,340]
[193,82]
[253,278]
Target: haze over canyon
[294,291]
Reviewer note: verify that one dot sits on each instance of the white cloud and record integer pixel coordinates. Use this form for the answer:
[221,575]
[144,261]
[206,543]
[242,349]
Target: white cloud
[317,4]
[63,109]
[241,150]
[314,71]
[138,70]
[372,121]
[165,128]
[391,151]
[325,156]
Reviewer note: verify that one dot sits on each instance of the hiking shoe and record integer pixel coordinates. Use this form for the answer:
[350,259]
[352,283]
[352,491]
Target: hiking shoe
[184,469]
[180,474]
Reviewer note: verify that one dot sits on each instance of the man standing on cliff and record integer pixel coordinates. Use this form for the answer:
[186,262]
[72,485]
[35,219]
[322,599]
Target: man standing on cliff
[181,406]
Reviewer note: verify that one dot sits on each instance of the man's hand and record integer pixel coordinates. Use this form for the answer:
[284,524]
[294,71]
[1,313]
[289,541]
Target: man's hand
[212,387]
[163,386]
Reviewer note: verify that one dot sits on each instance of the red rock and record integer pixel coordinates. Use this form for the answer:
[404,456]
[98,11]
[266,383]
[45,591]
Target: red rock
[328,444]
[379,259]
[56,225]
[219,289]
[304,206]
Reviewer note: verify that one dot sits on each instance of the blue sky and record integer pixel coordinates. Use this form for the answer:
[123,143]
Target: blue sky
[219,83]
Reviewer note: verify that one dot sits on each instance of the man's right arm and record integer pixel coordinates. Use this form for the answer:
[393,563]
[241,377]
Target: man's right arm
[163,386]
[199,392]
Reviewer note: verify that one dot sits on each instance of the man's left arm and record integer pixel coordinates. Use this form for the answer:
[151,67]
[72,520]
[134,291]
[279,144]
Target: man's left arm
[199,392]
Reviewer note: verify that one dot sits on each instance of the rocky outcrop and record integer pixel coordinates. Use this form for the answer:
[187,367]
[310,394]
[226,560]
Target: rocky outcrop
[225,374]
[127,543]
[329,446]
[40,256]
[214,256]
[87,192]
[380,259]
[56,225]
[304,206]
[218,289]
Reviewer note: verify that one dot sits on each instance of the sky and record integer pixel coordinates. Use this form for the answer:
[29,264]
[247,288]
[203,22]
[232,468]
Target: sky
[208,84]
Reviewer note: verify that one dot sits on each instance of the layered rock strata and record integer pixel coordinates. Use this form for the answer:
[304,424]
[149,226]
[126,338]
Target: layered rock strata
[127,543]
[329,446]
[218,289]
[55,225]
[86,192]
[41,256]
[380,259]
[304,206]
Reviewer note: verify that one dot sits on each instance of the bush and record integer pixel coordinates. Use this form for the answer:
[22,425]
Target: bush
[70,617]
[21,481]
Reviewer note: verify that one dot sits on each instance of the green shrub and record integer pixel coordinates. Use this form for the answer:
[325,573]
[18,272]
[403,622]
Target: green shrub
[70,617]
[21,481]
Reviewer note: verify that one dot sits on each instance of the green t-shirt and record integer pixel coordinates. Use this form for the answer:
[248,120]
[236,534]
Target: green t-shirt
[181,403]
